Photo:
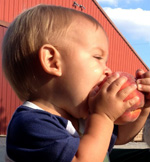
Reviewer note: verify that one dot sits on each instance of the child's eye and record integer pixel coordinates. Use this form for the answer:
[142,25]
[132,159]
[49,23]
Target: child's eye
[98,57]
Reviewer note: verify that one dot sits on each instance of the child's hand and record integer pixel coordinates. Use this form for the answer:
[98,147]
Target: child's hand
[109,100]
[143,84]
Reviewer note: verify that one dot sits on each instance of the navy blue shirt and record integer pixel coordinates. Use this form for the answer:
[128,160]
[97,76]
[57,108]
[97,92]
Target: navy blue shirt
[35,135]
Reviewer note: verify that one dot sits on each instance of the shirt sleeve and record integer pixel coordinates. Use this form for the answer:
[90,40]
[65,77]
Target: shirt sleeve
[113,138]
[38,137]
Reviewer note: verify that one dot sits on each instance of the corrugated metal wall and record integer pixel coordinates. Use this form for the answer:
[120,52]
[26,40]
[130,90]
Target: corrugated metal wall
[122,56]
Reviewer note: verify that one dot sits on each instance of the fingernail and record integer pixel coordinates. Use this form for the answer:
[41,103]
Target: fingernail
[117,74]
[139,86]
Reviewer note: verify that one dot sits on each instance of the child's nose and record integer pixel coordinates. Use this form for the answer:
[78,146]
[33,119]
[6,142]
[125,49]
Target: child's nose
[107,71]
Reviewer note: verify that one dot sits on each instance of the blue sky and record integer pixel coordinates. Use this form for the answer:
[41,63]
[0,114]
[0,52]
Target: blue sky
[132,18]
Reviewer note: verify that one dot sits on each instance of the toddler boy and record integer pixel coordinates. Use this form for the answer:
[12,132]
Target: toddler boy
[55,58]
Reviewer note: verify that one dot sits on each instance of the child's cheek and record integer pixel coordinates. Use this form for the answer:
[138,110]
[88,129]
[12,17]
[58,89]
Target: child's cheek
[97,71]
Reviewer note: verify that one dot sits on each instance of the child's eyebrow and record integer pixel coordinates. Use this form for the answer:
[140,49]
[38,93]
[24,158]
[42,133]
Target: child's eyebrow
[102,51]
[97,48]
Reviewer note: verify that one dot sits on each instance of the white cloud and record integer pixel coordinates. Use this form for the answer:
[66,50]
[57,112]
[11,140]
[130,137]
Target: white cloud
[134,22]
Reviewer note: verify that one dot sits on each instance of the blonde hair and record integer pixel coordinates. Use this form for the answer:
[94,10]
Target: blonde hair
[25,36]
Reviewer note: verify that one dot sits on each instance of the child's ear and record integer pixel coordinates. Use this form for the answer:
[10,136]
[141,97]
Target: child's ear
[50,60]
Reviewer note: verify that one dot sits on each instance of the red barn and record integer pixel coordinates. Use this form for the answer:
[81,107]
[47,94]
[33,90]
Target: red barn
[122,55]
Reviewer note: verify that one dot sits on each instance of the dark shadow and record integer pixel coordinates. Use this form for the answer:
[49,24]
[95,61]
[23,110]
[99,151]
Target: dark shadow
[130,155]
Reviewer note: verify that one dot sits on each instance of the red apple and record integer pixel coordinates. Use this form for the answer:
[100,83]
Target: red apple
[133,112]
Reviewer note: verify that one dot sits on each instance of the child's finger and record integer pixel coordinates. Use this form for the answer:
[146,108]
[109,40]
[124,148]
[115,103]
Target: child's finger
[129,103]
[104,86]
[117,84]
[147,74]
[144,85]
[139,73]
[144,88]
[94,91]
[110,80]
[145,81]
[124,93]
